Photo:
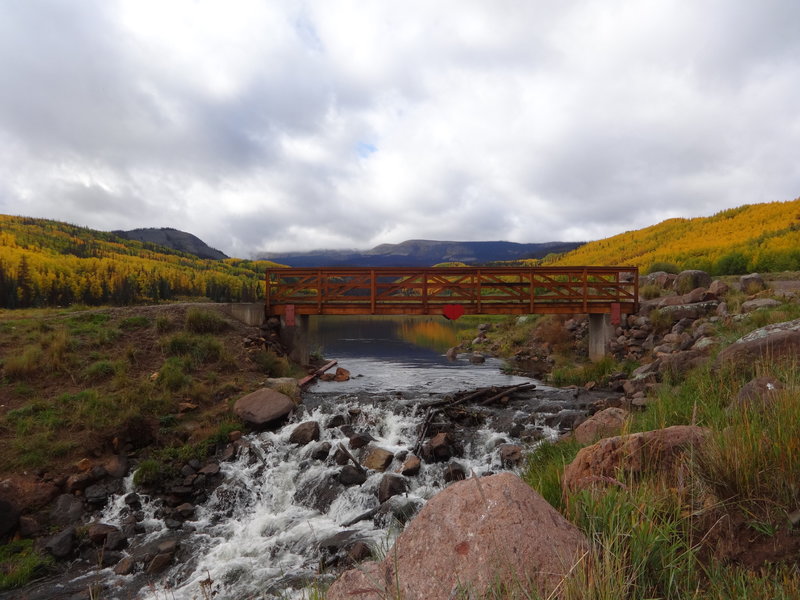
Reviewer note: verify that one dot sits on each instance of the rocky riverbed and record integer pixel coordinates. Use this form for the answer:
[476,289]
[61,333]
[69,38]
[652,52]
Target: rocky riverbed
[272,510]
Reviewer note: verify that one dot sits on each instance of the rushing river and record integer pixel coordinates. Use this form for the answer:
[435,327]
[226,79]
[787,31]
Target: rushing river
[260,534]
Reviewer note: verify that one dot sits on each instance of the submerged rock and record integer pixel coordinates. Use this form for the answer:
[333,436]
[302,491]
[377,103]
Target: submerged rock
[305,433]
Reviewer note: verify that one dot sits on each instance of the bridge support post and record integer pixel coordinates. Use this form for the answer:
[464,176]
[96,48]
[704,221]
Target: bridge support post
[294,337]
[600,331]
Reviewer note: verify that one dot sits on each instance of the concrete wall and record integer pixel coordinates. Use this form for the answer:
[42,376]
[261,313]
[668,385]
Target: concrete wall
[600,331]
[249,313]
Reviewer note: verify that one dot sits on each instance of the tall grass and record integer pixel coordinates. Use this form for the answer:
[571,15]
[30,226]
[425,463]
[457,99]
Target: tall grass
[21,562]
[199,349]
[205,321]
[545,468]
[642,546]
[755,460]
[271,364]
[24,365]
[599,372]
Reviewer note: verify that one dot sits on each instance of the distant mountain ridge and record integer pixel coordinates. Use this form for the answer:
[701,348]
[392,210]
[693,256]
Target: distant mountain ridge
[173,238]
[51,263]
[421,253]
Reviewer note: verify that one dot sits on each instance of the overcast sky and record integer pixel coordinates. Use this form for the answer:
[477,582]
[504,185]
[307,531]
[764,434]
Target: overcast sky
[262,125]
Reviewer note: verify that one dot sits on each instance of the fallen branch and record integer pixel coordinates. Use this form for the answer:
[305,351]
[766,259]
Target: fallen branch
[426,423]
[308,379]
[362,517]
[516,388]
[495,391]
[351,457]
[454,401]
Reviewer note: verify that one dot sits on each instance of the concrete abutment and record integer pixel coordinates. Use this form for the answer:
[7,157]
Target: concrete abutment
[600,333]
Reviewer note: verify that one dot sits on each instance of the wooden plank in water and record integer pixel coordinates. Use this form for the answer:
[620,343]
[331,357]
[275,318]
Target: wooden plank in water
[309,378]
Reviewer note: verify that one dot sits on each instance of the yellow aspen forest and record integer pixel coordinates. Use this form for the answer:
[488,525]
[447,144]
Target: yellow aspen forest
[750,238]
[49,263]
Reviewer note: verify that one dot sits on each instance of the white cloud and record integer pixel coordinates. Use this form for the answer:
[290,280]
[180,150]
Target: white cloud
[290,125]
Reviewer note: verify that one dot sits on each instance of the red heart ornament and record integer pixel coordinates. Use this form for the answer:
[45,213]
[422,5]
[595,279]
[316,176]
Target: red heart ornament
[452,311]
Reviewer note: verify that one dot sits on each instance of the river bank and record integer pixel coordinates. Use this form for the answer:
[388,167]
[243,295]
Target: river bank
[113,532]
[716,512]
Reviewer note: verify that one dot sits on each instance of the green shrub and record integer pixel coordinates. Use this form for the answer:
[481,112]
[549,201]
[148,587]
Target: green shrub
[220,436]
[755,459]
[198,349]
[90,318]
[102,369]
[700,398]
[25,364]
[150,472]
[204,321]
[164,324]
[181,454]
[136,322]
[33,417]
[545,468]
[661,319]
[271,364]
[642,547]
[21,563]
[595,371]
[88,408]
[36,450]
[172,376]
[667,267]
[107,336]
[733,263]
[650,291]
[56,348]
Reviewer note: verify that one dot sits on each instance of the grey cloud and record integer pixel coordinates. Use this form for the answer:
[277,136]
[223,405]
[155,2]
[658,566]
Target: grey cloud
[507,120]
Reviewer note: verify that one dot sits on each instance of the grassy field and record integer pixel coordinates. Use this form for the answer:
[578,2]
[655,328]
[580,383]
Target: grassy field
[71,380]
[728,527]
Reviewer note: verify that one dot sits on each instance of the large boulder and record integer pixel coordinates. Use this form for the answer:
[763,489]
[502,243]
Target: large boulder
[661,279]
[777,342]
[678,364]
[693,297]
[472,535]
[756,303]
[602,424]
[263,407]
[752,283]
[718,287]
[758,393]
[612,459]
[691,279]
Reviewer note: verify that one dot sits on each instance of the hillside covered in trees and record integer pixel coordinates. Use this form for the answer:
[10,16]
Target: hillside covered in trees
[49,263]
[750,238]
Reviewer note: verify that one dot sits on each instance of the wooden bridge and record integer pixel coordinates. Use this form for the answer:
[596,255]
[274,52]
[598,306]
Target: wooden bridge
[599,292]
[431,291]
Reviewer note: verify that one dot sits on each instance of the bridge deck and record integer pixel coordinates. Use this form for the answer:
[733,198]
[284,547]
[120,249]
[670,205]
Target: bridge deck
[425,291]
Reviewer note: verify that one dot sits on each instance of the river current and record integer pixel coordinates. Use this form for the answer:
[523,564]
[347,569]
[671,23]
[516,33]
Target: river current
[264,531]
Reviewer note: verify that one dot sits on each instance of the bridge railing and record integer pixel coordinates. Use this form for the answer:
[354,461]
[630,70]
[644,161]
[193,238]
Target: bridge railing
[500,290]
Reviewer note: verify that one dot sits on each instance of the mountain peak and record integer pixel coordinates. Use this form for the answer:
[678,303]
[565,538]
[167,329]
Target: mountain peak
[173,238]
